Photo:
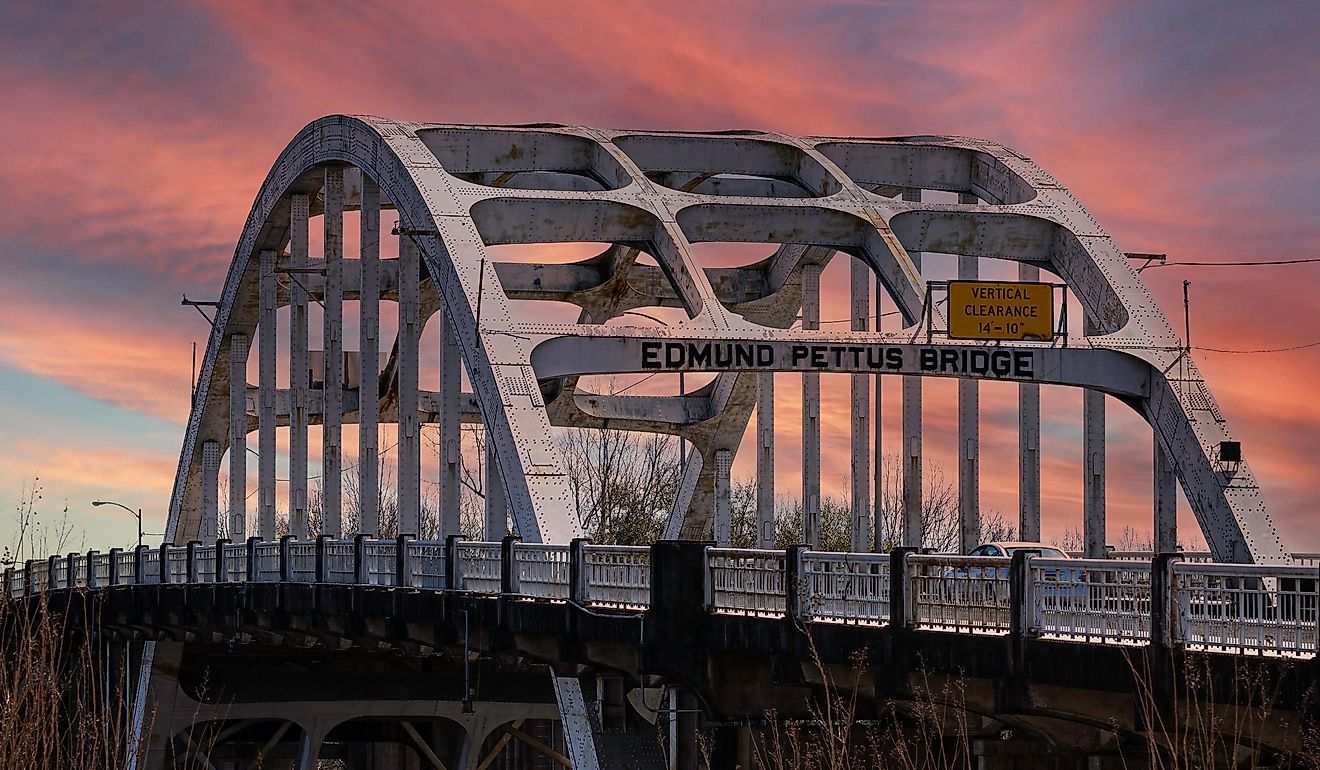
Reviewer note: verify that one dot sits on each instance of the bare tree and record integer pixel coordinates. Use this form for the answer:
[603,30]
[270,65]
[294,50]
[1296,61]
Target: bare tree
[623,482]
[34,537]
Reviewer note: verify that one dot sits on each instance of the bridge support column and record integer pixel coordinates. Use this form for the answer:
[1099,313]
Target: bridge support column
[723,501]
[765,460]
[913,528]
[332,413]
[266,397]
[1028,443]
[1093,445]
[210,518]
[1166,501]
[879,537]
[299,377]
[497,525]
[369,361]
[238,353]
[969,435]
[410,457]
[811,414]
[861,416]
[451,449]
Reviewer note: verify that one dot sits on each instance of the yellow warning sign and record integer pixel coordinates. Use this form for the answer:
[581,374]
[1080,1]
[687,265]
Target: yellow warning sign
[991,310]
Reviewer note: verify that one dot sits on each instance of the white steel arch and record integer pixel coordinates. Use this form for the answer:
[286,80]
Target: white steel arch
[460,189]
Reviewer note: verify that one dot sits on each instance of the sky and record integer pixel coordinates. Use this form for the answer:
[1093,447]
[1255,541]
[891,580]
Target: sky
[136,141]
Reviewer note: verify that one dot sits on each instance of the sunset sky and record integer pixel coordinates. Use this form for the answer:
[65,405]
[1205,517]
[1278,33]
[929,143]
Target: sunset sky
[135,142]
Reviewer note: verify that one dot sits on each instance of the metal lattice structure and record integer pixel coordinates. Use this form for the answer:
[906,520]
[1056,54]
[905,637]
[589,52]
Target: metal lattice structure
[459,190]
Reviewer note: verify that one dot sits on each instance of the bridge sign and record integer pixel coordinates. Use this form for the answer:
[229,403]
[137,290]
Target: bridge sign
[996,310]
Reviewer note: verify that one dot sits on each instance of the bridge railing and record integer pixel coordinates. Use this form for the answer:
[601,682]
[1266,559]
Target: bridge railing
[1246,608]
[616,576]
[1242,609]
[1093,600]
[958,593]
[746,581]
[844,587]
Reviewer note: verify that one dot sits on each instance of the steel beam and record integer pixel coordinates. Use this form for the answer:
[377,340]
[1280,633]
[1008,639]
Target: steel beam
[332,456]
[369,361]
[299,376]
[266,398]
[1166,500]
[765,460]
[913,527]
[410,439]
[723,500]
[861,414]
[1028,443]
[969,446]
[450,444]
[238,425]
[1093,448]
[879,536]
[210,488]
[811,414]
[497,507]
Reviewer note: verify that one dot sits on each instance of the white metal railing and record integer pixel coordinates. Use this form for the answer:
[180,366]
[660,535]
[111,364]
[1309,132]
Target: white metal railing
[151,565]
[204,563]
[426,563]
[1093,600]
[959,593]
[844,587]
[744,581]
[1266,609]
[339,561]
[381,558]
[479,564]
[1236,608]
[266,568]
[236,562]
[541,570]
[617,576]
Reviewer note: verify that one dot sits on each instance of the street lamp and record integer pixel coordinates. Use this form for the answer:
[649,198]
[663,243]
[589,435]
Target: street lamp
[137,514]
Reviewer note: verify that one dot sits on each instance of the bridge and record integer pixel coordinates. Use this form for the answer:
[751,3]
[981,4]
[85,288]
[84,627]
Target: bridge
[718,634]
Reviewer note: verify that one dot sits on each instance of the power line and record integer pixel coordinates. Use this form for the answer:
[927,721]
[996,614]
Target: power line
[1263,350]
[1244,263]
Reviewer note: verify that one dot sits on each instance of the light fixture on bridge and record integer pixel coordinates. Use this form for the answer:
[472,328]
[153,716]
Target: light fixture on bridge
[1229,456]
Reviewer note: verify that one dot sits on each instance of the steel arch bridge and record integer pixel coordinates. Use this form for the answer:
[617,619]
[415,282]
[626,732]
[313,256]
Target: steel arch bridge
[459,190]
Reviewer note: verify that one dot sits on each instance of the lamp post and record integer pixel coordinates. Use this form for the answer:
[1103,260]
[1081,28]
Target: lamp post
[137,514]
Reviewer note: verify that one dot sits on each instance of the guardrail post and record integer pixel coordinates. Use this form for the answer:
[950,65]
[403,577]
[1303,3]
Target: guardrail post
[360,559]
[252,571]
[51,561]
[1021,601]
[453,566]
[286,559]
[1165,630]
[71,570]
[140,564]
[221,560]
[794,604]
[191,564]
[322,565]
[508,566]
[900,614]
[578,590]
[27,578]
[9,583]
[402,567]
[91,569]
[165,561]
[115,555]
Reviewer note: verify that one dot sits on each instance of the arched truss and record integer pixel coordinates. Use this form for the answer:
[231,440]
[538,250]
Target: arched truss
[460,189]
